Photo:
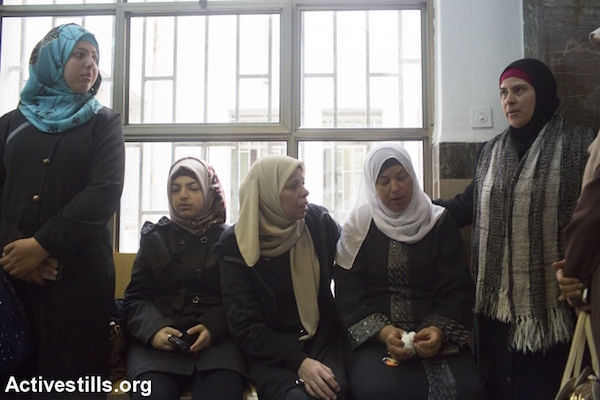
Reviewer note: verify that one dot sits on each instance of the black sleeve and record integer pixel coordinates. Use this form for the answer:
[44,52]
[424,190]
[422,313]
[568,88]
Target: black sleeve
[8,231]
[360,315]
[460,206]
[142,317]
[330,231]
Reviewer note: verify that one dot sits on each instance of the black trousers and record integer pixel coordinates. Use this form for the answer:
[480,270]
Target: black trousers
[208,385]
[514,375]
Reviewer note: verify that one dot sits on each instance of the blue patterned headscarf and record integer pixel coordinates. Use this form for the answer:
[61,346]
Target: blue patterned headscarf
[46,100]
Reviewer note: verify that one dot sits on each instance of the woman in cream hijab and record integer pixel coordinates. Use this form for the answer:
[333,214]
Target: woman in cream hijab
[403,289]
[276,267]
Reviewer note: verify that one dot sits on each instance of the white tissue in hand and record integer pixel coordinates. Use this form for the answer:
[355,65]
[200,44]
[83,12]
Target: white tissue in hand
[408,340]
[595,38]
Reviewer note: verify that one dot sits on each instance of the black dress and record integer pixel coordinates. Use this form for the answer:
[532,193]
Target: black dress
[63,189]
[411,286]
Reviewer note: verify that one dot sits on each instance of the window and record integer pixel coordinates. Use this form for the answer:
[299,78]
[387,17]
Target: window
[204,69]
[25,32]
[361,64]
[231,82]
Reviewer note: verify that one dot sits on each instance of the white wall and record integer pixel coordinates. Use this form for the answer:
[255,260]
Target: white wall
[474,40]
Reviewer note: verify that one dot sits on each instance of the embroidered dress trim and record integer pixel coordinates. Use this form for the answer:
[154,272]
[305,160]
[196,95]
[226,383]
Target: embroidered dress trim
[367,327]
[442,385]
[398,274]
[452,329]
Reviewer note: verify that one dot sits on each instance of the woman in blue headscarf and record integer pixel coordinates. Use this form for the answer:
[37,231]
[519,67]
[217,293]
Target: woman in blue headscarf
[61,178]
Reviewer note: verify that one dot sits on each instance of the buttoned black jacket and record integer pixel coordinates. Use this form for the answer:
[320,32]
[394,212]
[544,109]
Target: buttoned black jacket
[176,282]
[63,189]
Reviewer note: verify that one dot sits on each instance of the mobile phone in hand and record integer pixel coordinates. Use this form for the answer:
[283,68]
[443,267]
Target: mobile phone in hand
[53,263]
[179,343]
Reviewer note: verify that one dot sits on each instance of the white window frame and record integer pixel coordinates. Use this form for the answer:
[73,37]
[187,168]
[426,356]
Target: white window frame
[288,128]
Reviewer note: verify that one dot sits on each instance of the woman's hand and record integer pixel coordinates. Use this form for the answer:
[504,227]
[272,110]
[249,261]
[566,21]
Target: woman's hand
[571,288]
[203,340]
[428,341]
[48,269]
[318,378]
[160,340]
[21,257]
[392,338]
[34,277]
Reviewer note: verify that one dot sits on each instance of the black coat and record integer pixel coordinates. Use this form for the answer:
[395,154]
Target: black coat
[63,189]
[176,282]
[260,304]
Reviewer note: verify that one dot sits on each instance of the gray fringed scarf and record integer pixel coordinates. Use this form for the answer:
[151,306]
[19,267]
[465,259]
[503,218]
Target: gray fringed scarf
[522,208]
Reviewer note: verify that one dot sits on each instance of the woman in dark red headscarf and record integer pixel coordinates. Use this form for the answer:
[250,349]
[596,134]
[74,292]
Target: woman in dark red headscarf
[526,185]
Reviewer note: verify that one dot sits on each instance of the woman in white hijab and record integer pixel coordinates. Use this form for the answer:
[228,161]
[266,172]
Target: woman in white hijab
[403,289]
[276,271]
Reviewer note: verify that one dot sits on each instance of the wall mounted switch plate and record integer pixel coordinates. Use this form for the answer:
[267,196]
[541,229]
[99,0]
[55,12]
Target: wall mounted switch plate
[481,117]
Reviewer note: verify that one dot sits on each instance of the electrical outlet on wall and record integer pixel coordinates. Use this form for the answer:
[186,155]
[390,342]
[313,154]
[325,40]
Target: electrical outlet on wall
[481,117]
